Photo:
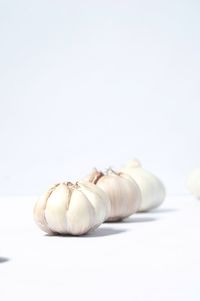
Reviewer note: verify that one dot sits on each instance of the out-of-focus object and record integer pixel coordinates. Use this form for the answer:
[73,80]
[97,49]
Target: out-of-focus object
[193,182]
[152,189]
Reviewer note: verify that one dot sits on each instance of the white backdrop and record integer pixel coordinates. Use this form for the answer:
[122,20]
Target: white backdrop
[96,83]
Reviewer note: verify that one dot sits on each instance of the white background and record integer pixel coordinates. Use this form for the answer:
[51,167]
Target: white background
[150,256]
[96,83]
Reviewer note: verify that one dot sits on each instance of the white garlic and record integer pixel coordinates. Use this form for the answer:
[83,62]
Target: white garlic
[123,193]
[152,189]
[193,182]
[68,208]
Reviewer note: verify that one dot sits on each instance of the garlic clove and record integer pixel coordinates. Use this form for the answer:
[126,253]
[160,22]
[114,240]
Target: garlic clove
[57,204]
[39,211]
[98,199]
[80,214]
[135,191]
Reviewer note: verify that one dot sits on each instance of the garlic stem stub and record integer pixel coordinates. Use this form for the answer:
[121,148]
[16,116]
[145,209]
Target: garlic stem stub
[152,189]
[74,209]
[193,182]
[123,193]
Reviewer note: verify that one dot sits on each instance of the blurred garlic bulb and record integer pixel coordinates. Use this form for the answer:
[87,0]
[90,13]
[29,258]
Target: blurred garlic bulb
[122,191]
[68,208]
[193,182]
[152,189]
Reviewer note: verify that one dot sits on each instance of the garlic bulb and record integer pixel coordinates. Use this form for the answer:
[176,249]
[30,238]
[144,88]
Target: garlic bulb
[68,208]
[152,189]
[122,191]
[193,182]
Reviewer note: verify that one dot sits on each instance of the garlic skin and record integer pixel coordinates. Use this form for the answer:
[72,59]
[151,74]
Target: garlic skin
[152,189]
[193,182]
[68,208]
[123,193]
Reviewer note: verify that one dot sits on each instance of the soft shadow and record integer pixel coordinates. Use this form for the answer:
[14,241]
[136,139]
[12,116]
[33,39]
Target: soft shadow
[99,232]
[164,210]
[135,219]
[4,259]
[139,219]
[104,231]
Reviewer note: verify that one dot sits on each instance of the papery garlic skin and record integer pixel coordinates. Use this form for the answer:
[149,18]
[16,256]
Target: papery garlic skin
[193,182]
[122,191]
[152,189]
[71,208]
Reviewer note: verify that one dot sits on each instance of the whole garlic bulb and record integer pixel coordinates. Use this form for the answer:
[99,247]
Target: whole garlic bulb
[68,208]
[193,182]
[123,193]
[152,189]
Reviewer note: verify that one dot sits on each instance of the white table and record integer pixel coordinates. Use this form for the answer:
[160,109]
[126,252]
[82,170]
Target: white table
[151,256]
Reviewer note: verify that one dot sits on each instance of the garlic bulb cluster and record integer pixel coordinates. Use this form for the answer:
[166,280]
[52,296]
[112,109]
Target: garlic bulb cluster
[75,209]
[68,208]
[193,182]
[123,193]
[152,189]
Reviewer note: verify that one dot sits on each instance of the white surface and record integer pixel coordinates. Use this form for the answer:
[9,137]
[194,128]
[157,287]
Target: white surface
[96,83]
[153,256]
